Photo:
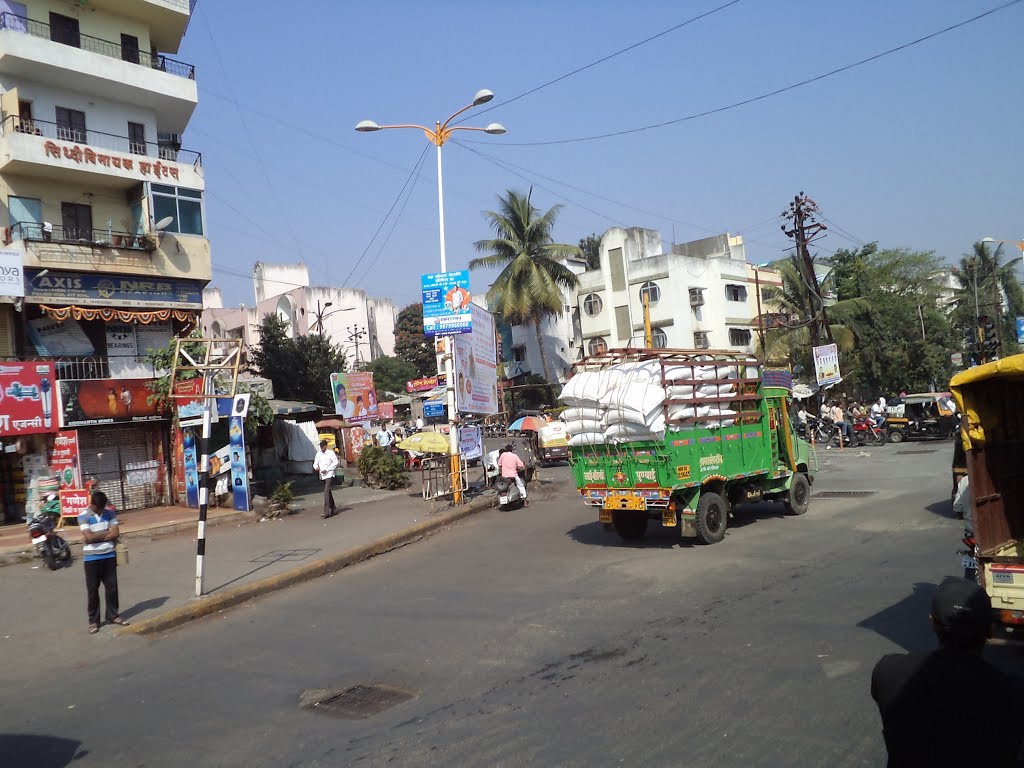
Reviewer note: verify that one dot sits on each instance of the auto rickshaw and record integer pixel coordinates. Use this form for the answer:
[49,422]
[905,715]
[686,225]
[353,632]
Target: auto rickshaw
[927,415]
[989,397]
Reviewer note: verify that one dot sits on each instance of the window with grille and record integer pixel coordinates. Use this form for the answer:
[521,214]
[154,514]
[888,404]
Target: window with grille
[597,346]
[651,290]
[736,293]
[593,305]
[659,339]
[71,125]
[739,337]
[700,340]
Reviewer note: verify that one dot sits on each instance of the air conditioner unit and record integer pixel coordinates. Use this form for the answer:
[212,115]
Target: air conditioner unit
[696,297]
[700,340]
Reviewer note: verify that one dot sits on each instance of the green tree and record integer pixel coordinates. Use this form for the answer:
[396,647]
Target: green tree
[988,287]
[390,375]
[410,343]
[299,368]
[590,247]
[529,286]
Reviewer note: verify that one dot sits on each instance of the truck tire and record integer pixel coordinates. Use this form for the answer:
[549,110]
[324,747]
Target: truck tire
[896,436]
[630,525]
[798,497]
[712,518]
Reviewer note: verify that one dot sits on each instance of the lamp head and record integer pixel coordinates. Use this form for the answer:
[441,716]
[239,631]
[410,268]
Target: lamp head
[367,126]
[988,239]
[328,304]
[495,128]
[482,97]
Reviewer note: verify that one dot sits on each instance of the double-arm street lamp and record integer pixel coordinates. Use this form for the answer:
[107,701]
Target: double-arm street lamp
[438,135]
[321,313]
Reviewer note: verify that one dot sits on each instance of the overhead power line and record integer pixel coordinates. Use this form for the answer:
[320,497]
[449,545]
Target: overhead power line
[603,59]
[768,94]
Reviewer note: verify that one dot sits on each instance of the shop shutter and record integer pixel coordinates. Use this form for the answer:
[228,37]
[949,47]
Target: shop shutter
[6,331]
[119,459]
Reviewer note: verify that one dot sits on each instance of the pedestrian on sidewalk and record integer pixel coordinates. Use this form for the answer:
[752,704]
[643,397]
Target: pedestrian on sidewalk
[325,463]
[926,699]
[100,529]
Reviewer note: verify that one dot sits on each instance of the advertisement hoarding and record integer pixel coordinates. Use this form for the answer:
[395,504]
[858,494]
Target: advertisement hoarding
[85,402]
[446,302]
[476,376]
[64,462]
[354,397]
[239,470]
[826,365]
[12,276]
[471,443]
[191,456]
[26,399]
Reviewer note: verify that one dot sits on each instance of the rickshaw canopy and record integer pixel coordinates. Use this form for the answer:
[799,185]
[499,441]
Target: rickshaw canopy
[981,395]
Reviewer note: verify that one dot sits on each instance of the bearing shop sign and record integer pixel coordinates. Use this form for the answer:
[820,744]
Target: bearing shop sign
[100,290]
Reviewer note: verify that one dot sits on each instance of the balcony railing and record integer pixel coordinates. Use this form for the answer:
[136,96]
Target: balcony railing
[100,140]
[96,45]
[92,367]
[87,236]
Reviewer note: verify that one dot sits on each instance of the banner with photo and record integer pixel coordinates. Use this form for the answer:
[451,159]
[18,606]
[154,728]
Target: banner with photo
[476,375]
[239,470]
[354,397]
[106,401]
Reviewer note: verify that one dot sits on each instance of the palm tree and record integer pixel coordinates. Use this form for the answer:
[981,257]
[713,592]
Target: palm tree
[529,287]
[985,285]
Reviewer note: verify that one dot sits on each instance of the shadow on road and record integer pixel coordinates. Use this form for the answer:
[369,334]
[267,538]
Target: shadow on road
[594,534]
[24,749]
[942,508]
[906,623]
[272,558]
[143,606]
[747,514]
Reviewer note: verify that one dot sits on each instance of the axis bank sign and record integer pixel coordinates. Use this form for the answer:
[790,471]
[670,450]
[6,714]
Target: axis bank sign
[101,290]
[12,277]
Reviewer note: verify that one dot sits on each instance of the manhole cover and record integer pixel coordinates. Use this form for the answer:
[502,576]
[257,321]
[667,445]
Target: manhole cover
[911,453]
[841,494]
[357,702]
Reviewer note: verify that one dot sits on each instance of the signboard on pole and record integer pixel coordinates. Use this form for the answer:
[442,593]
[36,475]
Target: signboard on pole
[191,469]
[433,409]
[239,470]
[826,365]
[471,444]
[1020,330]
[446,302]
[957,359]
[476,373]
[26,399]
[354,397]
[64,462]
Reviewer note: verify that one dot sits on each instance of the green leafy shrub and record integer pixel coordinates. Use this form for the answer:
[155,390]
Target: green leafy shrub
[281,500]
[380,469]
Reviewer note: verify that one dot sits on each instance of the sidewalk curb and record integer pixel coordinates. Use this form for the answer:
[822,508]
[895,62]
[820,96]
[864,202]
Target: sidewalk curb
[303,573]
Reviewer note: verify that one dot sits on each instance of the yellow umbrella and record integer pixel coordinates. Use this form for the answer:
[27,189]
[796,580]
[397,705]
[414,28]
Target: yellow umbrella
[425,442]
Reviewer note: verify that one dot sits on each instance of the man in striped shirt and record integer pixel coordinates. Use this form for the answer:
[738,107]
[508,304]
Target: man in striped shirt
[100,530]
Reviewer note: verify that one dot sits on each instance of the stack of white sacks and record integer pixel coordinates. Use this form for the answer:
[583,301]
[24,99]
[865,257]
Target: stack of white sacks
[625,403]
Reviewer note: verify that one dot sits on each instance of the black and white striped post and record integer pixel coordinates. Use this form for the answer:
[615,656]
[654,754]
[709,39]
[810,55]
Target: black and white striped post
[204,482]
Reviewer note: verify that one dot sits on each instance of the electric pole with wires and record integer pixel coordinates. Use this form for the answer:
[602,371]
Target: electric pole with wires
[804,228]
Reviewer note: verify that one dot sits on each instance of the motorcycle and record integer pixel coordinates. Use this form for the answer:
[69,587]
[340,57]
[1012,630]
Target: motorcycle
[969,556]
[866,433]
[822,431]
[49,545]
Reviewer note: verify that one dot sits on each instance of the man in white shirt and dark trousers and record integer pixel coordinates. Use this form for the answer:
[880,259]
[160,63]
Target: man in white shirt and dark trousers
[325,463]
[100,530]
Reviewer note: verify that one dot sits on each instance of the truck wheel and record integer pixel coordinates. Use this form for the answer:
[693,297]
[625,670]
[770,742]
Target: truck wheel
[798,497]
[630,526]
[896,436]
[712,517]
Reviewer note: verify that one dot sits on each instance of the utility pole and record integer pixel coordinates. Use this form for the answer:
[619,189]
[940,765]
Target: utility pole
[355,336]
[803,229]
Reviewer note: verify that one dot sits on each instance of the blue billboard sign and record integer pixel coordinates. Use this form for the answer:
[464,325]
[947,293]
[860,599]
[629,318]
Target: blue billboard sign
[446,301]
[96,289]
[1020,330]
[433,409]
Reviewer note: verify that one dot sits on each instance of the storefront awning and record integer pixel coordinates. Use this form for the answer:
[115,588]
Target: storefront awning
[109,314]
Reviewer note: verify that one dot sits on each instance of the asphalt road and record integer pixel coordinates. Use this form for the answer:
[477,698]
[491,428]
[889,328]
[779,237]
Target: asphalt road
[535,637]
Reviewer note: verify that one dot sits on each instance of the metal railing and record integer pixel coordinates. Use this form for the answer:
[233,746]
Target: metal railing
[76,39]
[101,140]
[72,368]
[89,236]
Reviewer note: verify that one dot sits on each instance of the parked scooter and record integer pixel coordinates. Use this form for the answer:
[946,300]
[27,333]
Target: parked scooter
[49,544]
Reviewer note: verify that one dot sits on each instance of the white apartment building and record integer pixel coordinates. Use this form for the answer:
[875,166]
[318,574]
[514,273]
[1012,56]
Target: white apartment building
[702,294]
[362,325]
[104,214]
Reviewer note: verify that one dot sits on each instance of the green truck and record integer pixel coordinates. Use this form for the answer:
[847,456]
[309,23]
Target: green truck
[723,437]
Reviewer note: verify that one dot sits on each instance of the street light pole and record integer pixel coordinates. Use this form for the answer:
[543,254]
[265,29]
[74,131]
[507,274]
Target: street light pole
[439,135]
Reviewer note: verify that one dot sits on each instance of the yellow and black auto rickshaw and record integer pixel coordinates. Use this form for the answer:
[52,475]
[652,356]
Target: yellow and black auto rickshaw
[928,415]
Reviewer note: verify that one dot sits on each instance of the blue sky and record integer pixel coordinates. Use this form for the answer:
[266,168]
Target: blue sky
[920,149]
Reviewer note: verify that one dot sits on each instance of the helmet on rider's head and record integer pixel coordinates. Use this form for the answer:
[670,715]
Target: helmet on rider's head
[51,497]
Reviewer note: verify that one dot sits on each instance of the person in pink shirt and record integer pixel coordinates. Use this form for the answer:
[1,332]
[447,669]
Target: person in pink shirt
[509,465]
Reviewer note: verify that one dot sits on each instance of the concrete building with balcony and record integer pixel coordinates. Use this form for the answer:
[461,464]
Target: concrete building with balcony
[702,294]
[363,326]
[103,211]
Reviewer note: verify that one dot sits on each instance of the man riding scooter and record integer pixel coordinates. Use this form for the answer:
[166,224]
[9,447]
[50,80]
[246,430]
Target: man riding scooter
[509,466]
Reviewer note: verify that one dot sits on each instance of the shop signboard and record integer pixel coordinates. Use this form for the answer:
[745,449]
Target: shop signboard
[86,402]
[64,462]
[96,289]
[354,397]
[73,501]
[26,399]
[826,365]
[446,301]
[12,275]
[421,385]
[476,375]
[239,470]
[191,456]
